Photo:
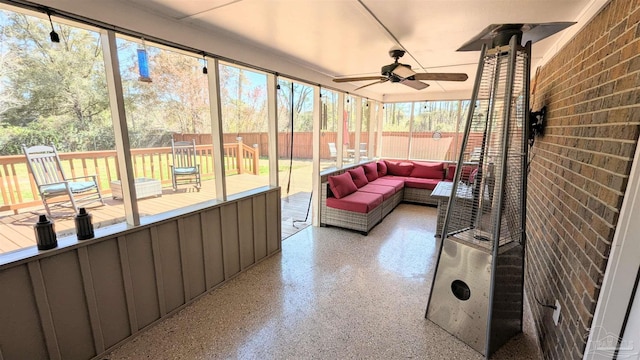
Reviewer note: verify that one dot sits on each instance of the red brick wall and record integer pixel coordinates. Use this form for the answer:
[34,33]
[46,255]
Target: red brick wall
[579,172]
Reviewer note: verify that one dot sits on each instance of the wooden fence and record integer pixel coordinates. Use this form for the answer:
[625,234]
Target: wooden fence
[18,190]
[395,143]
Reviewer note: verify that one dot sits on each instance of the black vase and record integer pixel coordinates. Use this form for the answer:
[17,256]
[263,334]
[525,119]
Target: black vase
[45,234]
[84,227]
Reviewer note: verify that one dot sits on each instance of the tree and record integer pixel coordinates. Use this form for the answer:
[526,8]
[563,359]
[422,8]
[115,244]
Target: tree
[58,87]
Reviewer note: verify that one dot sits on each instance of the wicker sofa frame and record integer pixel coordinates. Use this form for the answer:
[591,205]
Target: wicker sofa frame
[362,222]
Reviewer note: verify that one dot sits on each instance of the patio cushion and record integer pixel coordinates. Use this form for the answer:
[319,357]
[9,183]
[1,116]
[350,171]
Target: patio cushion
[76,187]
[358,176]
[400,169]
[371,171]
[428,170]
[342,185]
[419,183]
[382,168]
[185,170]
[473,175]
[385,191]
[396,183]
[360,202]
[466,172]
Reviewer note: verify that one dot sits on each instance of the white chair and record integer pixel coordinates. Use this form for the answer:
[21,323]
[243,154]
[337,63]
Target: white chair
[185,169]
[51,181]
[333,151]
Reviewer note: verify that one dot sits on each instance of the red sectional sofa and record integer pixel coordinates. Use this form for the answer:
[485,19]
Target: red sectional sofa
[360,197]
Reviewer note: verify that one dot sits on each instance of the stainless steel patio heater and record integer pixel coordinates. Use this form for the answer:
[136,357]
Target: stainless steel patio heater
[477,290]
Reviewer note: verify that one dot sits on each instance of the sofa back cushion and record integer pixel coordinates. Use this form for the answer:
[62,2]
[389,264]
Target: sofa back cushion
[342,185]
[382,168]
[358,177]
[371,171]
[398,168]
[428,170]
[466,172]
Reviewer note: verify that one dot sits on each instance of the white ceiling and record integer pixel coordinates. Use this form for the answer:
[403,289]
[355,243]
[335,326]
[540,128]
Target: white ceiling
[343,38]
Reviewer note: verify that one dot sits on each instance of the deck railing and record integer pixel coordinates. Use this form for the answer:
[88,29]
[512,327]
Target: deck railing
[18,190]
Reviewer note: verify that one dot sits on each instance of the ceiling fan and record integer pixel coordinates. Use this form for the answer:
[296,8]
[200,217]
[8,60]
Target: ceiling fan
[402,73]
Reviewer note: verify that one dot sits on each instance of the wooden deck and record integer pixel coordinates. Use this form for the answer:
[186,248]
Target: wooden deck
[16,231]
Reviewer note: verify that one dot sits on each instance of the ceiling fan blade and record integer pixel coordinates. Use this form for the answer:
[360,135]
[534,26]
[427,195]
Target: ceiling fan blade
[441,76]
[358,78]
[373,83]
[403,72]
[418,85]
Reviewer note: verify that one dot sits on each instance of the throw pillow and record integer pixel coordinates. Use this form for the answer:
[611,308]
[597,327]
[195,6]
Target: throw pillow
[382,168]
[451,172]
[428,171]
[342,185]
[399,169]
[472,177]
[466,172]
[371,171]
[358,177]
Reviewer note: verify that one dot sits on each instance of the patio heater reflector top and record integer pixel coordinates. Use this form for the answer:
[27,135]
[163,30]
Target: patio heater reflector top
[499,34]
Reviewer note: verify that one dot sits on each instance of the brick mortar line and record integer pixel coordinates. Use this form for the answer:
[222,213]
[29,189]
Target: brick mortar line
[618,157]
[591,138]
[587,125]
[574,68]
[599,236]
[631,106]
[570,271]
[587,164]
[583,150]
[546,267]
[577,74]
[585,192]
[557,257]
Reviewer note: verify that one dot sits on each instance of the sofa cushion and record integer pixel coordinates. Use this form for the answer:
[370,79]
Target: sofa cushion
[358,176]
[400,169]
[385,191]
[382,168]
[342,185]
[428,170]
[396,183]
[371,171]
[466,172]
[473,175]
[360,202]
[419,183]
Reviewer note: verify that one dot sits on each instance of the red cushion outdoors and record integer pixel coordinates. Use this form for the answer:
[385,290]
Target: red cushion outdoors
[451,172]
[358,176]
[400,169]
[418,183]
[466,171]
[382,168]
[342,185]
[428,170]
[359,201]
[371,171]
[385,191]
[396,183]
[473,175]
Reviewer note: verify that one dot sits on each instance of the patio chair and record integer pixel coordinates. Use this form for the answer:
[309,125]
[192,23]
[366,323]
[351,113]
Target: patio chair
[185,169]
[333,151]
[51,181]
[363,151]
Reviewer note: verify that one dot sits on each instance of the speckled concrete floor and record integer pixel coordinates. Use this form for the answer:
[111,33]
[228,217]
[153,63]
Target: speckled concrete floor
[330,294]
